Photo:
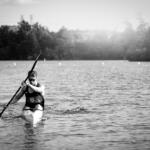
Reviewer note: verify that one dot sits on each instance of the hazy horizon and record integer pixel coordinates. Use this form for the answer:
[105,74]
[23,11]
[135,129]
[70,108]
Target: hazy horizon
[76,14]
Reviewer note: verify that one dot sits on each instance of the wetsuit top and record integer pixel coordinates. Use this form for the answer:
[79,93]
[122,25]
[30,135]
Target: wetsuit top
[34,98]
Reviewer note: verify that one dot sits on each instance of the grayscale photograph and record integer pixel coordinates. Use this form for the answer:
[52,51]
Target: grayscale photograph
[74,75]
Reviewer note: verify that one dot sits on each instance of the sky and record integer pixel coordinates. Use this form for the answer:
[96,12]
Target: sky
[75,14]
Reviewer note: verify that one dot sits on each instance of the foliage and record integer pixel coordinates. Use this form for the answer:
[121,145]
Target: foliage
[25,41]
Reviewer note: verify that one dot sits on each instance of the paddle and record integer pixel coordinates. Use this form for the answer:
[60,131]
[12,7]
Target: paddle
[20,86]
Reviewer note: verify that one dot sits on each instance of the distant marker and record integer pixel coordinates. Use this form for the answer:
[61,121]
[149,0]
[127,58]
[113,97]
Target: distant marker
[59,64]
[139,63]
[14,64]
[103,63]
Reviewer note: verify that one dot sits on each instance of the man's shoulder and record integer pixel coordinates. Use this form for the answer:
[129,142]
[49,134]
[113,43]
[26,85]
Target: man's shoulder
[42,87]
[39,85]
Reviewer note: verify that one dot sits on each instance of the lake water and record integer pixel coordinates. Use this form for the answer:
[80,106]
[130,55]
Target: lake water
[90,105]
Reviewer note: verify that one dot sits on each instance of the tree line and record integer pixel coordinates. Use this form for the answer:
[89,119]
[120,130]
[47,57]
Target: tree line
[24,41]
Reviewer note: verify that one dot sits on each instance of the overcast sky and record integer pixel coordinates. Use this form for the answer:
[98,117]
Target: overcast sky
[75,14]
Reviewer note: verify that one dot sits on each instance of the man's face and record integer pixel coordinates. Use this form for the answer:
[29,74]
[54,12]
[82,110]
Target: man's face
[33,80]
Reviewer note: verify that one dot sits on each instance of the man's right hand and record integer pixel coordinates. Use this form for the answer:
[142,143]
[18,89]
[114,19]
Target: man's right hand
[23,85]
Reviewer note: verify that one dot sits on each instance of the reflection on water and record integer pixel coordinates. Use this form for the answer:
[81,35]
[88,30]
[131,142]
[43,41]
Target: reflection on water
[89,105]
[32,138]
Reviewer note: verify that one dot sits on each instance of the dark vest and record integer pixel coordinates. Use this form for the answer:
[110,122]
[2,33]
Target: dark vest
[34,98]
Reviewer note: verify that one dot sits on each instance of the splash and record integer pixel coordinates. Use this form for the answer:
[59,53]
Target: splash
[77,110]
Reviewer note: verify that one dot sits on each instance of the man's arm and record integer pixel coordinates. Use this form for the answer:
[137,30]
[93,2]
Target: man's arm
[39,89]
[19,95]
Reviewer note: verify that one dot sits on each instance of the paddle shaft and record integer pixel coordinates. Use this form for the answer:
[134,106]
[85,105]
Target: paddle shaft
[19,87]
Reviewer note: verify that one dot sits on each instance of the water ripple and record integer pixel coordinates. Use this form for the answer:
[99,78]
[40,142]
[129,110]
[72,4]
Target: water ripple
[88,106]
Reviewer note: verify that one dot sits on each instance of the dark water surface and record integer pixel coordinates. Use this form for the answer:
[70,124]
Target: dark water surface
[90,105]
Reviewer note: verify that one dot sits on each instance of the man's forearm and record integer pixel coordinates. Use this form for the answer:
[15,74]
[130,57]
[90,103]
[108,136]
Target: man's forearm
[36,89]
[15,100]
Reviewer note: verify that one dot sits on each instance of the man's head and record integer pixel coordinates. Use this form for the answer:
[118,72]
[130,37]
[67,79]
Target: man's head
[32,76]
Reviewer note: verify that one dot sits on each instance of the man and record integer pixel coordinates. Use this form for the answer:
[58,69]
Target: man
[34,93]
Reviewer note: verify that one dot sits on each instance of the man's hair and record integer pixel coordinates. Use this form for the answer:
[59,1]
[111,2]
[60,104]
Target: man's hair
[32,73]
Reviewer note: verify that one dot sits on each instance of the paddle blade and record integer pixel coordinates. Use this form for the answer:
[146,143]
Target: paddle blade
[35,62]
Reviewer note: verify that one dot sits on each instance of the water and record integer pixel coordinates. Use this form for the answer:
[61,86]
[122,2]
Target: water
[90,105]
